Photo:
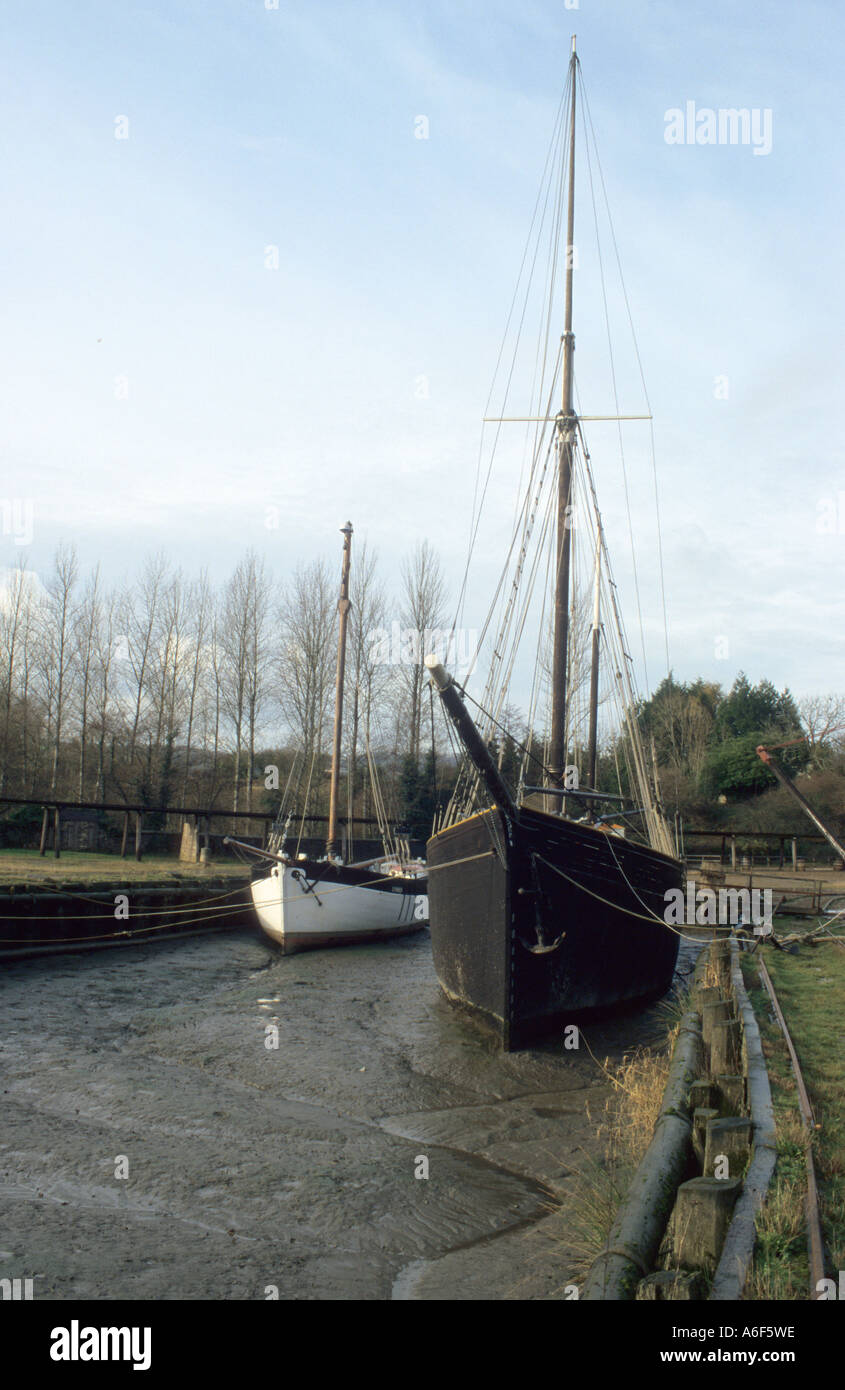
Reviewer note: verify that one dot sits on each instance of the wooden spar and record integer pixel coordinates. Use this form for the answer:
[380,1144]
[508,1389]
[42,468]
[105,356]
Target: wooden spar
[594,670]
[566,439]
[343,608]
[786,781]
[470,737]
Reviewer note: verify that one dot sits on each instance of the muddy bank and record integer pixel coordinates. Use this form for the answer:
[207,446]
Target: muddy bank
[253,1167]
[67,919]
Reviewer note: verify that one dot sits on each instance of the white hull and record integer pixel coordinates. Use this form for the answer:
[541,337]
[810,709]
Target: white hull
[301,917]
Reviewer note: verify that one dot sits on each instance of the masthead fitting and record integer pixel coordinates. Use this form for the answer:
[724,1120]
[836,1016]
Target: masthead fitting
[439,675]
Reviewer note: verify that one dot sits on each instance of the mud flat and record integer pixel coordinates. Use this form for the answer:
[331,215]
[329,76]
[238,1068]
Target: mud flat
[254,1168]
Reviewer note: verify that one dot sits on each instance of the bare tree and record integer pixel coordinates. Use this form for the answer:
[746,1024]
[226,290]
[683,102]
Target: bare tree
[85,640]
[213,708]
[164,676]
[823,717]
[307,619]
[105,638]
[142,614]
[13,631]
[424,597]
[59,615]
[244,640]
[200,606]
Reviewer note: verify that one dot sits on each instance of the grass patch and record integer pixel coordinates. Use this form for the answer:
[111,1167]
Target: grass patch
[26,866]
[626,1129]
[811,989]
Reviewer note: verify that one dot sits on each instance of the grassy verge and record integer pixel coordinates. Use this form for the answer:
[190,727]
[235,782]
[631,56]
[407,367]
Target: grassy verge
[26,866]
[626,1129]
[811,989]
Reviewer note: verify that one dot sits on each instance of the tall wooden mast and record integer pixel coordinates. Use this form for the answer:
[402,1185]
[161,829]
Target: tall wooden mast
[343,608]
[566,443]
[592,746]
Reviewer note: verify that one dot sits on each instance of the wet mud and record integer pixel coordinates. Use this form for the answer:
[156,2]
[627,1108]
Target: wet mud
[297,1169]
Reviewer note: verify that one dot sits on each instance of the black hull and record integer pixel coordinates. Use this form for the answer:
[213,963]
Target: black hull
[493,882]
[331,875]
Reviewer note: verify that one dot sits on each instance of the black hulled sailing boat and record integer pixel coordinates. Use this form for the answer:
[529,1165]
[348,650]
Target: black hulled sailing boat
[542,909]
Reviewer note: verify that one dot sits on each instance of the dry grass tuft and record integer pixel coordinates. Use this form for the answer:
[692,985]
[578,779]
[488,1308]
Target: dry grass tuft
[778,1270]
[627,1126]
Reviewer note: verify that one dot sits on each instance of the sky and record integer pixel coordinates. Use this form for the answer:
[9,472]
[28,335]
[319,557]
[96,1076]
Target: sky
[229,262]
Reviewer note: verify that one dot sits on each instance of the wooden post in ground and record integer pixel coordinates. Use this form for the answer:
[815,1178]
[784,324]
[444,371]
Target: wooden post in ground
[702,1093]
[794,854]
[733,852]
[671,1285]
[703,995]
[720,961]
[125,834]
[725,1047]
[45,821]
[57,832]
[700,1120]
[700,1221]
[712,1012]
[138,819]
[731,1095]
[727,1145]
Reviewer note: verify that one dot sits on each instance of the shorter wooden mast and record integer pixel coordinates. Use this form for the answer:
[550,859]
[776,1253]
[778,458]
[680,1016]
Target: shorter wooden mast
[343,608]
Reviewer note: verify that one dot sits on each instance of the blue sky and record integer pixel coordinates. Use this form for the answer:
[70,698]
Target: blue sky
[138,266]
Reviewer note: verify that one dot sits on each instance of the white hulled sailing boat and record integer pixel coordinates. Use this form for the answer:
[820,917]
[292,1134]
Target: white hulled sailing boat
[305,903]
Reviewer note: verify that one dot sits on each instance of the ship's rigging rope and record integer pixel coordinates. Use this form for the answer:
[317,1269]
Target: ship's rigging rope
[640,369]
[532,547]
[558,140]
[615,393]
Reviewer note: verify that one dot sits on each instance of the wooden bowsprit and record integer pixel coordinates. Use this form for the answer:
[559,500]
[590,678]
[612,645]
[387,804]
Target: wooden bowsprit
[765,755]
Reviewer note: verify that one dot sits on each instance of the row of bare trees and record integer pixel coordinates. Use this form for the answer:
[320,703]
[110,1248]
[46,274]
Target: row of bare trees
[174,690]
